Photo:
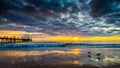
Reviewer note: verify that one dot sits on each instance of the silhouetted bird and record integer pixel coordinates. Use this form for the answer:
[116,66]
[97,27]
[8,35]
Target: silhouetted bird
[98,56]
[89,54]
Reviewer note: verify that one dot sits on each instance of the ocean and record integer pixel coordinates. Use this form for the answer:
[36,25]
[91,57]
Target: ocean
[64,45]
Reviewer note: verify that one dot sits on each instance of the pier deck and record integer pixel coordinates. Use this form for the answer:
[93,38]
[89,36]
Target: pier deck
[14,40]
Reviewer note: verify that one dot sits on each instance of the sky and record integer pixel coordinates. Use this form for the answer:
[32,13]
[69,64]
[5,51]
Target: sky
[62,18]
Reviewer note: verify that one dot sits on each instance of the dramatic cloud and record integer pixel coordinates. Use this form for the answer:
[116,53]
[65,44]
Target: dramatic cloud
[61,17]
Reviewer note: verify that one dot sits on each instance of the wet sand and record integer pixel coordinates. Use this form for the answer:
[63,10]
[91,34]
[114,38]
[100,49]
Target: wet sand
[60,58]
[39,65]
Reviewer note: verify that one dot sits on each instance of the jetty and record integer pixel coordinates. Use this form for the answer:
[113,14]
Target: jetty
[14,40]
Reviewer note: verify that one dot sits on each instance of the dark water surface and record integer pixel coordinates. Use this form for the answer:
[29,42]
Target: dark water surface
[26,57]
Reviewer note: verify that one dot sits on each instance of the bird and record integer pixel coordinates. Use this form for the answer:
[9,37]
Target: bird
[98,56]
[89,54]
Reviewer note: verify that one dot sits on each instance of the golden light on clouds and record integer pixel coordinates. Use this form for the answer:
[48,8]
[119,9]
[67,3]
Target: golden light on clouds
[80,39]
[59,39]
[43,37]
[19,33]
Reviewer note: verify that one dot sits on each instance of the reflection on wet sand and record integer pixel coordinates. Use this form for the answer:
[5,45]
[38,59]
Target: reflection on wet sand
[38,53]
[74,56]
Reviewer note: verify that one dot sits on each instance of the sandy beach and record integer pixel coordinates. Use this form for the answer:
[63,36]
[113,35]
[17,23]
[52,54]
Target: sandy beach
[61,58]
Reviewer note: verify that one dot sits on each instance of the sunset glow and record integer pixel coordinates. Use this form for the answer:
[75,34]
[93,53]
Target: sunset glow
[42,37]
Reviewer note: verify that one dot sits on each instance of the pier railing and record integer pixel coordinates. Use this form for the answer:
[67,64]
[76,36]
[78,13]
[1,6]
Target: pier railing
[14,40]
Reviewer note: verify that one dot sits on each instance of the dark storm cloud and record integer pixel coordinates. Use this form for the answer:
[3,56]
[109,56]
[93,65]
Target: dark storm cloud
[42,5]
[101,7]
[110,9]
[86,17]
